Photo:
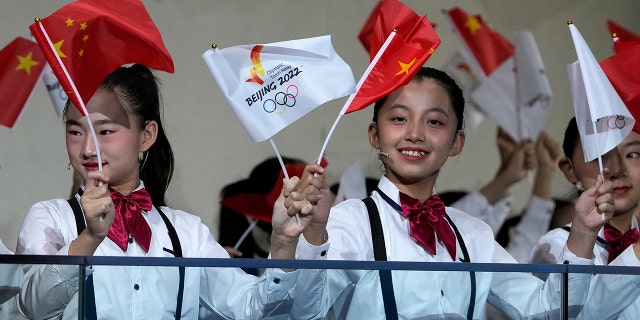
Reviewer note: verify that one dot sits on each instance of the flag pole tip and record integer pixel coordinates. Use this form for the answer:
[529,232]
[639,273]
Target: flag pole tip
[569,22]
[37,19]
[214,46]
[614,35]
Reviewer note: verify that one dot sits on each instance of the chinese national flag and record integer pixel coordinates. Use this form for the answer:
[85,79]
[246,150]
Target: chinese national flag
[21,64]
[622,36]
[260,206]
[622,71]
[383,19]
[488,47]
[397,64]
[95,37]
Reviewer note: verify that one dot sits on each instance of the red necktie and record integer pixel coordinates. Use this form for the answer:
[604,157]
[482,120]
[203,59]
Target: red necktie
[618,241]
[129,219]
[426,220]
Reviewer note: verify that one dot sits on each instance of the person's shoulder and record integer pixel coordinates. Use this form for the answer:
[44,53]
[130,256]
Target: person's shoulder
[180,216]
[561,234]
[463,220]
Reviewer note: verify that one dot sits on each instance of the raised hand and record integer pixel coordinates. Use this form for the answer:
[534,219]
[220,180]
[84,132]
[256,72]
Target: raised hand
[299,196]
[591,206]
[98,211]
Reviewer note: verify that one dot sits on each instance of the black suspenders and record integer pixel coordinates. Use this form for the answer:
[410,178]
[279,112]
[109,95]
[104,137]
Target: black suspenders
[380,254]
[90,302]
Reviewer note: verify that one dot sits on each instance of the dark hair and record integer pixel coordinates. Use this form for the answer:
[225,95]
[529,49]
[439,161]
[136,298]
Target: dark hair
[571,136]
[447,83]
[139,87]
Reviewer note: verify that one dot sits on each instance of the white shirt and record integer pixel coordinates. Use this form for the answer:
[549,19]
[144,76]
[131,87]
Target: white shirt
[420,294]
[135,292]
[533,225]
[549,250]
[476,204]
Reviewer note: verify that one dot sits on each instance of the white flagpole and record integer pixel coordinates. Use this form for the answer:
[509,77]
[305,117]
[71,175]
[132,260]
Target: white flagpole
[245,234]
[286,174]
[75,91]
[352,96]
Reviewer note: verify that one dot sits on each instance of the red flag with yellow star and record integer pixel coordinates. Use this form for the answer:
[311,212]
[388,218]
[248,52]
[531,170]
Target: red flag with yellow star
[385,17]
[21,64]
[396,63]
[86,40]
[489,47]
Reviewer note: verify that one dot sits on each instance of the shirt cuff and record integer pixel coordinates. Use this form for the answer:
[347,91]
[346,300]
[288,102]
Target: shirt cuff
[307,251]
[278,279]
[570,258]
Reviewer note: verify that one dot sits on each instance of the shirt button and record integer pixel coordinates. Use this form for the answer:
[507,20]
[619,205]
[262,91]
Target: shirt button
[136,286]
[323,253]
[276,280]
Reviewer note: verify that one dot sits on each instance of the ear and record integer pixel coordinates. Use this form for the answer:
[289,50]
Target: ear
[566,167]
[148,135]
[458,143]
[373,135]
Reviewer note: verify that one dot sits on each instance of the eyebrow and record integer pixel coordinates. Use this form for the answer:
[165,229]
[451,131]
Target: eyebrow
[631,143]
[96,123]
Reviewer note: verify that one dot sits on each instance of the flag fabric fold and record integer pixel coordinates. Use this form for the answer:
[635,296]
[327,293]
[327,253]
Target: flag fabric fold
[56,92]
[533,90]
[21,64]
[407,49]
[270,86]
[602,118]
[622,71]
[622,36]
[491,57]
[92,38]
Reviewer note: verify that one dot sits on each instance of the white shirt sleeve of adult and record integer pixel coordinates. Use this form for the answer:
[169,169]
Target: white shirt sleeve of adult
[475,204]
[533,225]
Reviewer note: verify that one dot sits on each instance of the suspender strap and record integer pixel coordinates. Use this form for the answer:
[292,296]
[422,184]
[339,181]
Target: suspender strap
[177,249]
[89,294]
[472,274]
[90,300]
[380,254]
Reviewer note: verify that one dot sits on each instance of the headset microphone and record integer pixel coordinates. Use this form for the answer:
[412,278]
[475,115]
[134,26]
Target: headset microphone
[383,154]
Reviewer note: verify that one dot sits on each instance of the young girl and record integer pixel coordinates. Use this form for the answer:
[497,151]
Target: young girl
[622,167]
[416,128]
[125,214]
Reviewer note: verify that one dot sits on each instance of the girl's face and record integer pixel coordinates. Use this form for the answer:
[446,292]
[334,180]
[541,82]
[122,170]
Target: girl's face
[119,137]
[620,165]
[417,128]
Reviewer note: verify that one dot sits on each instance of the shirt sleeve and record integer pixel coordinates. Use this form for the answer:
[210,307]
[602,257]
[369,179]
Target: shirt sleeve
[617,291]
[44,233]
[533,225]
[475,204]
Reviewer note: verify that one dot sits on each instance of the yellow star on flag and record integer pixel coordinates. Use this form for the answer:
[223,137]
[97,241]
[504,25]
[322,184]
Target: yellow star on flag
[83,26]
[26,63]
[472,24]
[404,67]
[58,46]
[69,22]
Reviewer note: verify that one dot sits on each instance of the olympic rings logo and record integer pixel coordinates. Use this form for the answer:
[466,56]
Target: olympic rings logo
[616,122]
[281,101]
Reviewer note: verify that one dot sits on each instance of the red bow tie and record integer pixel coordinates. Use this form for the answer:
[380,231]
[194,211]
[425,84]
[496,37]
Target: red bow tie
[618,241]
[426,220]
[129,219]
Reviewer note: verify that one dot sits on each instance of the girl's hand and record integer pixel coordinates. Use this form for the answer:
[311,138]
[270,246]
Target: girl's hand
[592,205]
[98,212]
[298,196]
